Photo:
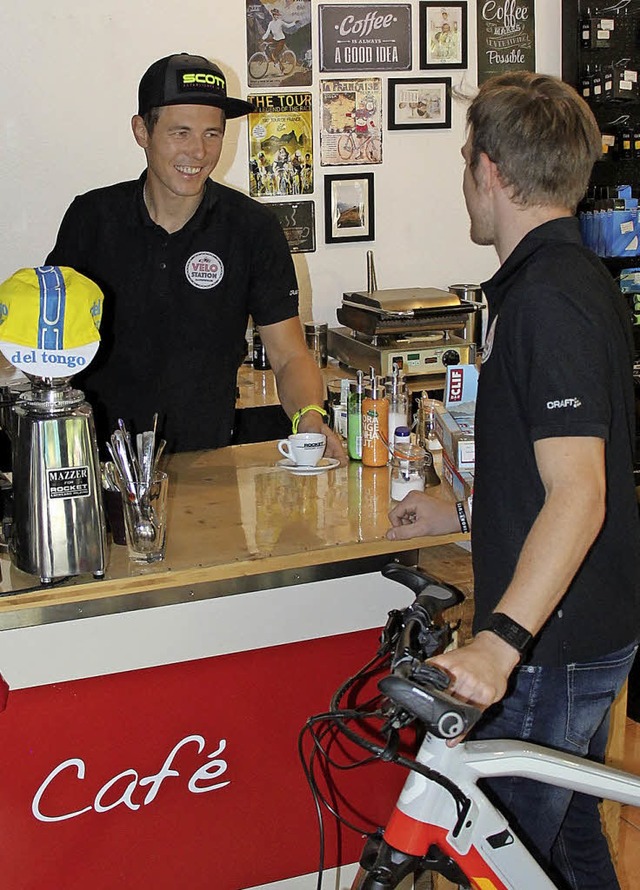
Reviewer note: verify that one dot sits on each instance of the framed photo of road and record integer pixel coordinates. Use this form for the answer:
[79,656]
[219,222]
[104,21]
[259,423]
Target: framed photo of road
[348,208]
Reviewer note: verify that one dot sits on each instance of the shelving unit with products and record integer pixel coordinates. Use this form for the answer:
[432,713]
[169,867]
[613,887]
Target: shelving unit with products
[601,59]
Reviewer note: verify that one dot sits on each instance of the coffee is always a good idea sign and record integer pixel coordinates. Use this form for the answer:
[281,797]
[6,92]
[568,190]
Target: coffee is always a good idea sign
[365,38]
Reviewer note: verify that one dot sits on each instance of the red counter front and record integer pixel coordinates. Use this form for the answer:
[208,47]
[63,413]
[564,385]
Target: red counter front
[186,773]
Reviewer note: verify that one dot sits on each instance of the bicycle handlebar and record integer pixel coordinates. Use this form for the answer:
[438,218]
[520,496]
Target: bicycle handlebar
[414,686]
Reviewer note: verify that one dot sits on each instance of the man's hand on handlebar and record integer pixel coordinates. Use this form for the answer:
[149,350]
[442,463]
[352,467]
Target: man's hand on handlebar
[480,670]
[420,514]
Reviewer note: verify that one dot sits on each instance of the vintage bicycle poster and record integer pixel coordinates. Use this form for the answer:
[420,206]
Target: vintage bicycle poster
[351,121]
[280,145]
[278,43]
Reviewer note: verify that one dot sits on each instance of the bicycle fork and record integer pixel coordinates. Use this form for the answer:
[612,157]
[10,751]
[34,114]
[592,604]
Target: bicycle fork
[382,867]
[428,832]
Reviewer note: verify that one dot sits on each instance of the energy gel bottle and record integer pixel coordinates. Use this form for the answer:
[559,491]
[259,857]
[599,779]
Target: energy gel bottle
[375,424]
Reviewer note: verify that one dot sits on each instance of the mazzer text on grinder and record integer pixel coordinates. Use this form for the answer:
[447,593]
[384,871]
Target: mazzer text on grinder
[49,330]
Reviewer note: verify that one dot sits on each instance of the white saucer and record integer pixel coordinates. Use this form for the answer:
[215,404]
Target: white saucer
[324,465]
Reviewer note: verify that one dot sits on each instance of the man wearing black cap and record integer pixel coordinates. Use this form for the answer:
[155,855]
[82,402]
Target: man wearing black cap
[183,262]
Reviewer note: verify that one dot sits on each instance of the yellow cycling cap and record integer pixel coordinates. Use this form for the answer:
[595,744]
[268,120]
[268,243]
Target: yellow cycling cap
[49,320]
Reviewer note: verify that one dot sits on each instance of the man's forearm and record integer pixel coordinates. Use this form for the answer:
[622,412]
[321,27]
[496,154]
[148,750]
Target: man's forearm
[299,383]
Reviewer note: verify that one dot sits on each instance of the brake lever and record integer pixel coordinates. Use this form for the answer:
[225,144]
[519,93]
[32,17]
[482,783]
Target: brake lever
[433,675]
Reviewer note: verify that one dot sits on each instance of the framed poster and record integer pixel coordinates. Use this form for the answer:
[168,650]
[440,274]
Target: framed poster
[351,121]
[362,37]
[298,221]
[280,145]
[443,35]
[348,208]
[419,103]
[506,38]
[278,43]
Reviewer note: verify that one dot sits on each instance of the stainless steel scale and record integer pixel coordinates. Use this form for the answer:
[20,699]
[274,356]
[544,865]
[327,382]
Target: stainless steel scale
[422,330]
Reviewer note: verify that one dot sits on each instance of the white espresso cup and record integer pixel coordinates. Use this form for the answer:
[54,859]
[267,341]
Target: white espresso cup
[304,449]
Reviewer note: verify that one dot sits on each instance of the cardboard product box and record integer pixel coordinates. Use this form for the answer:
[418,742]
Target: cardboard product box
[455,420]
[461,387]
[456,436]
[461,481]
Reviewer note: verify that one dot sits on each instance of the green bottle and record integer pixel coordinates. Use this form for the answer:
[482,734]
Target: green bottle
[354,417]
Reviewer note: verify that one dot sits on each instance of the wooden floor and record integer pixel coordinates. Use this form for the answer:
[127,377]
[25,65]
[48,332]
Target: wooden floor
[628,864]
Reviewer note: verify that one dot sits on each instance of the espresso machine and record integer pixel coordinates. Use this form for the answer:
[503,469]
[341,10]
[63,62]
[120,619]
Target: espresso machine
[57,524]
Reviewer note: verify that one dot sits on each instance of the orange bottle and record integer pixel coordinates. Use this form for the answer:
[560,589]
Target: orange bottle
[375,424]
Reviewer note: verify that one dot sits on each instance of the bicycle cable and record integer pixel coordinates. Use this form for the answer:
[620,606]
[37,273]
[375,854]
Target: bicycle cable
[397,631]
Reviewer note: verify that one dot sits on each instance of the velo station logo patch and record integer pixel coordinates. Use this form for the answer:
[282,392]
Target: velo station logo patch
[204,270]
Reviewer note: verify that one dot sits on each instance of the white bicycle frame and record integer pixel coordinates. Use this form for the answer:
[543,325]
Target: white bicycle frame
[485,847]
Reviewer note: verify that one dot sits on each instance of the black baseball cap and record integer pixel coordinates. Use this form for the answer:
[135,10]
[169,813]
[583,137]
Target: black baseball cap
[183,79]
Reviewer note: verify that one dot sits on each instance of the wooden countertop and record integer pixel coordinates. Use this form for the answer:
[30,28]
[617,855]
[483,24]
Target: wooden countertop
[233,514]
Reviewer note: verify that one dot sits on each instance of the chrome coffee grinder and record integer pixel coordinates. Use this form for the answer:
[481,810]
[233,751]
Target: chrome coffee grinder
[49,330]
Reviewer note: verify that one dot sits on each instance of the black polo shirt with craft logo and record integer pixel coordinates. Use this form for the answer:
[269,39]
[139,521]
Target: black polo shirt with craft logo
[176,306]
[557,362]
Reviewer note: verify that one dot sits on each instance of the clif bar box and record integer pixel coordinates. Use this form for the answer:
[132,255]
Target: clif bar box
[455,421]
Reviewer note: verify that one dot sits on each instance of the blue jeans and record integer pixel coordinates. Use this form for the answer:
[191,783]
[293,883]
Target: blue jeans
[565,708]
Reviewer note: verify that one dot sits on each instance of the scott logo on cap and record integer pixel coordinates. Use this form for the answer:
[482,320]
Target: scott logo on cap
[207,81]
[202,78]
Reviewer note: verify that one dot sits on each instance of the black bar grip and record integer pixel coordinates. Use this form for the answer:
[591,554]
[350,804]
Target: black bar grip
[433,596]
[444,716]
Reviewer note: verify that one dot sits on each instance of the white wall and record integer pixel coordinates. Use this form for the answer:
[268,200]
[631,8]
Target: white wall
[69,72]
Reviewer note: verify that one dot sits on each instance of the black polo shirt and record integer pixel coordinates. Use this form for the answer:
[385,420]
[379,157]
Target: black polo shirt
[176,306]
[558,362]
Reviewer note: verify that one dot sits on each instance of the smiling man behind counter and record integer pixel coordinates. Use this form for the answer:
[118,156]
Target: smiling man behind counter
[183,262]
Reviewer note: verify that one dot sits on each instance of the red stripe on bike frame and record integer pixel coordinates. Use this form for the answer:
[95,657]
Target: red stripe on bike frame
[411,836]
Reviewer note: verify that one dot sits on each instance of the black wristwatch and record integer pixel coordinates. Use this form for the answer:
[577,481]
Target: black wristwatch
[509,630]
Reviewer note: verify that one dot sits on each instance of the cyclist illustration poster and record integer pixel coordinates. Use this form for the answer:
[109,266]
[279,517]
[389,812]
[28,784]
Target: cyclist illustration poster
[280,145]
[278,43]
[351,121]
